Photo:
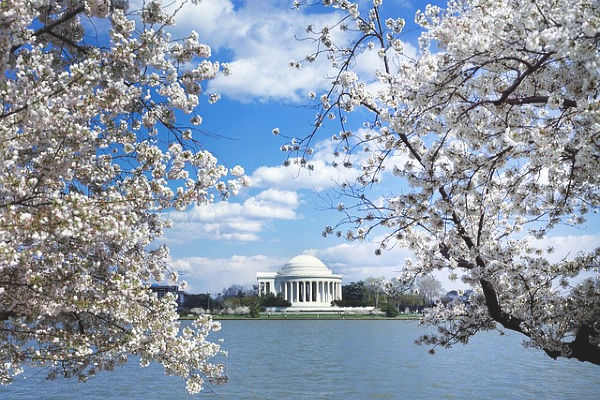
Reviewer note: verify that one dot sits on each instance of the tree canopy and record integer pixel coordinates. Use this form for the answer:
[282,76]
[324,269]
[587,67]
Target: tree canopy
[430,289]
[486,138]
[96,138]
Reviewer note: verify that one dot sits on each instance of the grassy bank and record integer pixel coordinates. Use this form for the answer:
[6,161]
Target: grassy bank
[311,316]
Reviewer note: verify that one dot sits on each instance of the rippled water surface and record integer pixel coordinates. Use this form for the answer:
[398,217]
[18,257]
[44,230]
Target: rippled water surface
[345,360]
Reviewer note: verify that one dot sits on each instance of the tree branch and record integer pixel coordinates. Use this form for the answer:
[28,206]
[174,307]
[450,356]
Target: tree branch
[582,349]
[5,315]
[566,103]
[66,40]
[508,91]
[496,312]
[46,29]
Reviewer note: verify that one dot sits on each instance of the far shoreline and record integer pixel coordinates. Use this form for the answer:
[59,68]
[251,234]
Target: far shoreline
[309,317]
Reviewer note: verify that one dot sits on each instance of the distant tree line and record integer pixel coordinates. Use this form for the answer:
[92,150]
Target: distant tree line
[236,299]
[389,296]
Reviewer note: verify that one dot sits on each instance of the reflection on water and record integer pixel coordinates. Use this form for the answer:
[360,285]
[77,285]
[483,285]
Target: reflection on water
[345,360]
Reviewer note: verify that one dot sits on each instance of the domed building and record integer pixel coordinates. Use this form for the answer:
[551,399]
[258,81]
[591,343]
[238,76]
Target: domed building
[304,281]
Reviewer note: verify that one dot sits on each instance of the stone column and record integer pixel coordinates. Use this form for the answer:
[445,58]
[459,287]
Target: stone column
[303,283]
[320,291]
[284,289]
[306,292]
[292,292]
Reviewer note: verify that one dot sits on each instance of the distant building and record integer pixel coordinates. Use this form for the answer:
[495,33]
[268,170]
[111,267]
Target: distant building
[162,290]
[304,281]
[453,295]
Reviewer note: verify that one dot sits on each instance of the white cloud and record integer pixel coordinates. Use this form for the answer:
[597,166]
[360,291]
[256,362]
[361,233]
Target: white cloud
[261,35]
[357,260]
[233,221]
[323,177]
[567,247]
[279,196]
[262,38]
[214,274]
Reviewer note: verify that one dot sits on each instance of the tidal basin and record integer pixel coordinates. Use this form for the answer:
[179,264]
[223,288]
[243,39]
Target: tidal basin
[360,359]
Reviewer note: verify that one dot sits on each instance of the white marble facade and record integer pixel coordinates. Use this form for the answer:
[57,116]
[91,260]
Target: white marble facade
[304,281]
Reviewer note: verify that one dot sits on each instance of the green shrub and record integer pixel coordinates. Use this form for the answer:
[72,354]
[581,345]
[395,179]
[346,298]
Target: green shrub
[390,310]
[270,300]
[254,310]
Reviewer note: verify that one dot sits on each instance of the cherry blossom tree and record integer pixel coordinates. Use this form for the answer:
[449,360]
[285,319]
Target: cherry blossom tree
[99,102]
[430,289]
[375,287]
[485,139]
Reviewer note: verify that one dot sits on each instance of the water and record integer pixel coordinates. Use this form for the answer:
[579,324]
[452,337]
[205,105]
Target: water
[344,360]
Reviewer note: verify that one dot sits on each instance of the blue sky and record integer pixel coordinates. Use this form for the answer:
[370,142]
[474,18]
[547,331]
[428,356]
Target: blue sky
[283,213]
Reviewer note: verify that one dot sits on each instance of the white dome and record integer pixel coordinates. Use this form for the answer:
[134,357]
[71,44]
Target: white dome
[305,265]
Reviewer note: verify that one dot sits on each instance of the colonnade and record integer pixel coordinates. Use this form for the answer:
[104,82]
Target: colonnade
[303,291]
[310,291]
